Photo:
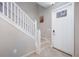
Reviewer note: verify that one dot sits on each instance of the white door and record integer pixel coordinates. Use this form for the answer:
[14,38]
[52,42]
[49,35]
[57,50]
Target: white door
[63,29]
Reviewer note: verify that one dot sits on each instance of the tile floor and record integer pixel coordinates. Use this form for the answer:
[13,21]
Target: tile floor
[47,51]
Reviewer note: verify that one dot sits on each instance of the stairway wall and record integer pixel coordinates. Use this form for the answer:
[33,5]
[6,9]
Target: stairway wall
[13,42]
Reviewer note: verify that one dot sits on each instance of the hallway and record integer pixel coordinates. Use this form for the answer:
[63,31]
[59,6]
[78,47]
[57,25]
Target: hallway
[31,29]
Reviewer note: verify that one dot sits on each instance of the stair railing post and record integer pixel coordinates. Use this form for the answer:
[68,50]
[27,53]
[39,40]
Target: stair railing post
[37,39]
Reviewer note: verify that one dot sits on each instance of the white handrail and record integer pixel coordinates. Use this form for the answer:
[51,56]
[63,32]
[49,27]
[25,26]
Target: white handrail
[12,13]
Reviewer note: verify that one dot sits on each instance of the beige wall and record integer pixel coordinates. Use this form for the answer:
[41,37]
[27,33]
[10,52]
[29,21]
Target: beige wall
[46,26]
[12,39]
[76,29]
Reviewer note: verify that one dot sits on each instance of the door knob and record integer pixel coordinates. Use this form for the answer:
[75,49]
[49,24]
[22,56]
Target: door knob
[53,31]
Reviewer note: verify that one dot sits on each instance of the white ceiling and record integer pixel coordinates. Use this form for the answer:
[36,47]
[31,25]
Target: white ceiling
[45,4]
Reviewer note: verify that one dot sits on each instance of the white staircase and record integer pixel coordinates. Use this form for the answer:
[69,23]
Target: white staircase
[15,16]
[18,18]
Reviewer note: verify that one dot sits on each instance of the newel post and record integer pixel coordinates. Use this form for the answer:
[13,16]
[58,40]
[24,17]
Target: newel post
[37,39]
